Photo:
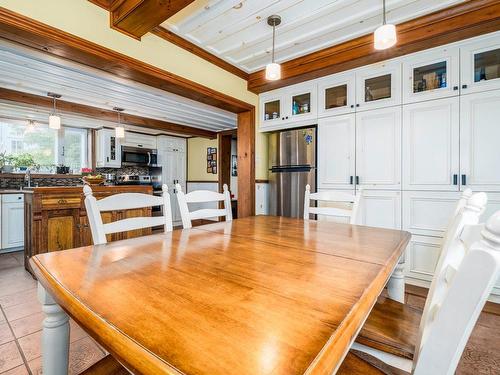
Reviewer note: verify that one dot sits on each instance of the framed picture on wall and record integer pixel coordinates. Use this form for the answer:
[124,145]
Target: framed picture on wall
[209,169]
[234,165]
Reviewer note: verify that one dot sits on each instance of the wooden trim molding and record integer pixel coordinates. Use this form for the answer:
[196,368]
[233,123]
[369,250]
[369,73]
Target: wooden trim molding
[198,51]
[103,114]
[462,21]
[246,163]
[261,181]
[28,32]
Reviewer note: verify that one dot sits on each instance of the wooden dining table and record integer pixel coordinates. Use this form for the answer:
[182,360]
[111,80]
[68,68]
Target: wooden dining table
[258,295]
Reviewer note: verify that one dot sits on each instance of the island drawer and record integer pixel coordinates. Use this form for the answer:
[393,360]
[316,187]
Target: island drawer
[61,201]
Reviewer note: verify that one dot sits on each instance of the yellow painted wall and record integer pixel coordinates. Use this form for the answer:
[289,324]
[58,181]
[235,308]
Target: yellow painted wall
[90,22]
[197,159]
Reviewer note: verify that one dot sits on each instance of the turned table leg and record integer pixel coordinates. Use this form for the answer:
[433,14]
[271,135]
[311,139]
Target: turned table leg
[55,335]
[396,284]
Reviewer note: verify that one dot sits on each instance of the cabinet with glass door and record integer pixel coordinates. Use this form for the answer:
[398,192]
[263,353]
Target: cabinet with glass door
[378,86]
[271,109]
[301,102]
[336,94]
[480,65]
[431,75]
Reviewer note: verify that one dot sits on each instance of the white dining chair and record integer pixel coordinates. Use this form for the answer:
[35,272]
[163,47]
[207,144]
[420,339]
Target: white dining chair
[125,201]
[375,338]
[203,196]
[343,213]
[454,312]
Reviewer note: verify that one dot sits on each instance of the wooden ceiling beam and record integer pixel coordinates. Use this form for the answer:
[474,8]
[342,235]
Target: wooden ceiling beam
[31,33]
[138,17]
[103,114]
[198,51]
[462,21]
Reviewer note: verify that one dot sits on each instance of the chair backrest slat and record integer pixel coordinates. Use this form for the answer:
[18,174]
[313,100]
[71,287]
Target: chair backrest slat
[337,197]
[453,319]
[203,196]
[125,201]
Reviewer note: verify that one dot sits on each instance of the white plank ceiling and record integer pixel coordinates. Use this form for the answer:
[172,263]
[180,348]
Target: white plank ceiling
[37,73]
[237,30]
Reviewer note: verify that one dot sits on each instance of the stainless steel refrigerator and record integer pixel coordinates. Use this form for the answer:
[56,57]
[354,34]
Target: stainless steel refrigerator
[292,165]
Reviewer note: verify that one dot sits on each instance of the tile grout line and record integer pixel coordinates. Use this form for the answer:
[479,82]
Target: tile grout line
[25,362]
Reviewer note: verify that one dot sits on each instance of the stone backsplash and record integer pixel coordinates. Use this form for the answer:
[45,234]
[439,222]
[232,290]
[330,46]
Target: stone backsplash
[16,180]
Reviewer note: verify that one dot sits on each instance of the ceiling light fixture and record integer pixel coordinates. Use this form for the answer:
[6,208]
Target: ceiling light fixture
[119,130]
[54,118]
[385,35]
[273,70]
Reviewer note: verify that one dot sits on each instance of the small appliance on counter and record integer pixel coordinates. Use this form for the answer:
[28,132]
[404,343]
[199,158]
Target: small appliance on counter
[109,178]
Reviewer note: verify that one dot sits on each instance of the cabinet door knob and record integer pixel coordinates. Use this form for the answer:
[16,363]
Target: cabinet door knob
[351,179]
[352,105]
[357,180]
[455,88]
[62,201]
[464,180]
[282,118]
[455,179]
[287,117]
[357,105]
[464,86]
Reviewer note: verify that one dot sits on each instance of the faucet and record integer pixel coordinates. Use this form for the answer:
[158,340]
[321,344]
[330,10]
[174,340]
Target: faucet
[27,178]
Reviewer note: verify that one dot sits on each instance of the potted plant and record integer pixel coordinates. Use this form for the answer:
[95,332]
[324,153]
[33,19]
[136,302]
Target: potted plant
[6,162]
[23,161]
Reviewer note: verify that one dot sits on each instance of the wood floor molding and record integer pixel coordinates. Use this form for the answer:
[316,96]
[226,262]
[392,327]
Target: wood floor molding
[198,51]
[102,114]
[29,32]
[462,21]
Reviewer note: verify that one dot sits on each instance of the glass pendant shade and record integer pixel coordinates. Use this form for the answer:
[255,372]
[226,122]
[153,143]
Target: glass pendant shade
[273,71]
[385,36]
[54,122]
[120,132]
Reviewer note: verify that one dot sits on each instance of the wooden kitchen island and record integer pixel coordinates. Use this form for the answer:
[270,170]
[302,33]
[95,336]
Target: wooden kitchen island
[55,218]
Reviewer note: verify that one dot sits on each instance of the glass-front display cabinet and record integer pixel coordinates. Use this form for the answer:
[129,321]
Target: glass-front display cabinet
[480,65]
[336,94]
[271,111]
[378,86]
[431,75]
[301,101]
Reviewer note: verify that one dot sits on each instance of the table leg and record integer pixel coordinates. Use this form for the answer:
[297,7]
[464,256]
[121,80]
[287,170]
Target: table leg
[55,335]
[396,284]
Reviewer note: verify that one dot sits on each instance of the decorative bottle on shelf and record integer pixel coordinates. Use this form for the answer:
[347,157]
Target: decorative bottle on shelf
[295,108]
[443,80]
[482,74]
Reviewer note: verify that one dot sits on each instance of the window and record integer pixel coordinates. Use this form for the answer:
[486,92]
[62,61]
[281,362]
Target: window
[47,147]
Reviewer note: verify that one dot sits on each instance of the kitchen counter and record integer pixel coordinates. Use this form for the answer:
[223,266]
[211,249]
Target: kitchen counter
[55,217]
[13,191]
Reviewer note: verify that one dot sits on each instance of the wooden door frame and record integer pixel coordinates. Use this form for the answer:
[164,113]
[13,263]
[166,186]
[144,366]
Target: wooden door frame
[17,28]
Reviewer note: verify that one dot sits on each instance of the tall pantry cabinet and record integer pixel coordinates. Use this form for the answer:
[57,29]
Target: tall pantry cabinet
[413,133]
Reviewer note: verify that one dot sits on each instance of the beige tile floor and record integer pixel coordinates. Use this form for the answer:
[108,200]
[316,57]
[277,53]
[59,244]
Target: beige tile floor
[21,323]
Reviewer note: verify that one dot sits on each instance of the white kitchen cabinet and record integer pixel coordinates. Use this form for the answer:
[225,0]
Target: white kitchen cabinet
[480,64]
[428,212]
[378,149]
[336,94]
[108,149]
[172,159]
[336,152]
[380,209]
[13,221]
[378,86]
[431,75]
[261,199]
[431,133]
[480,141]
[421,257]
[133,139]
[271,109]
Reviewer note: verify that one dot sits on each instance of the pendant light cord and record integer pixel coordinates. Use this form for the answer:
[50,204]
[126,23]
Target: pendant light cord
[383,6]
[274,34]
[54,109]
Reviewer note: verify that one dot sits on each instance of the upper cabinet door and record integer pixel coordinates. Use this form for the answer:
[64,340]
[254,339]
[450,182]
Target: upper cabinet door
[300,102]
[336,94]
[378,86]
[430,145]
[431,75]
[480,65]
[479,141]
[336,144]
[378,148]
[271,109]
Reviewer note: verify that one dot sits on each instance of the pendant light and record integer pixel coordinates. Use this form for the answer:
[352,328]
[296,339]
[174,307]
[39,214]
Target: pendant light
[54,118]
[119,130]
[385,35]
[273,70]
